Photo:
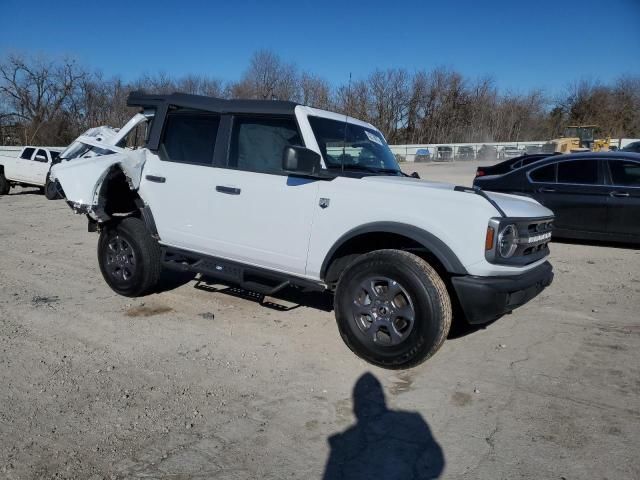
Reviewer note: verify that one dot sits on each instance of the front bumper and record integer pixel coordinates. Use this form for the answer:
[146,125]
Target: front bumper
[484,299]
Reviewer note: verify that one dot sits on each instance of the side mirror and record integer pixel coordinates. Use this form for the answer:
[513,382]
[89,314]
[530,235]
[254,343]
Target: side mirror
[41,158]
[300,160]
[415,175]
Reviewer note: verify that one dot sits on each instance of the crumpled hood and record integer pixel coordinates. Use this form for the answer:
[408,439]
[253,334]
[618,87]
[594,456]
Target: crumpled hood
[512,205]
[81,180]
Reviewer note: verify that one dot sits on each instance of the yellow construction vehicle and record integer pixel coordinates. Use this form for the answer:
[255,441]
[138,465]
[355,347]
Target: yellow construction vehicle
[577,138]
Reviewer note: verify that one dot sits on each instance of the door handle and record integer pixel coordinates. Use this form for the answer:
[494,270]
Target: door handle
[546,190]
[156,179]
[619,194]
[227,190]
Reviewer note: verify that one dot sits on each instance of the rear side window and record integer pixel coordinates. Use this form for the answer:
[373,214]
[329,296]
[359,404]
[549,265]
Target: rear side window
[583,172]
[625,173]
[257,144]
[545,174]
[27,153]
[190,137]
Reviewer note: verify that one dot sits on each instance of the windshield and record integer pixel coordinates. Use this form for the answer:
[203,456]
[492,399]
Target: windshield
[359,149]
[78,149]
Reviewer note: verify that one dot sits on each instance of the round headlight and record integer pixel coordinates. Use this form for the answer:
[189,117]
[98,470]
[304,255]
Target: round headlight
[508,241]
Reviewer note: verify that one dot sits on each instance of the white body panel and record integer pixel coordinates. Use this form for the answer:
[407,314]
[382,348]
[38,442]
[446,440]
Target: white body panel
[267,224]
[453,217]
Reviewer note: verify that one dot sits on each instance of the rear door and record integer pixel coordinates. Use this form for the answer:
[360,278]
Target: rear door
[20,169]
[624,198]
[575,191]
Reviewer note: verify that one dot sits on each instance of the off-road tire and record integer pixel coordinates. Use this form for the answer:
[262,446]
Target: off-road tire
[51,190]
[428,296]
[127,246]
[4,185]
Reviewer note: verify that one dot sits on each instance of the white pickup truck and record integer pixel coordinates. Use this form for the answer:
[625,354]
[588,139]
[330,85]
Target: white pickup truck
[29,168]
[270,194]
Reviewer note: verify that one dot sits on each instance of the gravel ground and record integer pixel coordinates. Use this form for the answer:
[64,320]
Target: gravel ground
[203,381]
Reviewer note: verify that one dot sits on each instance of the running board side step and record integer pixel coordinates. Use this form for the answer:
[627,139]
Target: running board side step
[264,282]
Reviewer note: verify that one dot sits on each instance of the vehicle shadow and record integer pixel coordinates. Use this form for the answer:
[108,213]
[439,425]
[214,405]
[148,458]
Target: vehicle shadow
[28,191]
[285,300]
[384,443]
[461,328]
[172,279]
[292,298]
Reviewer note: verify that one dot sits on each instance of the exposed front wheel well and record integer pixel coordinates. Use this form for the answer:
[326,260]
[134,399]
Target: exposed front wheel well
[116,198]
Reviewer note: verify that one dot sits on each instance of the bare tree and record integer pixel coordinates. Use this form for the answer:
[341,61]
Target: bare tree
[50,101]
[35,91]
[315,91]
[268,78]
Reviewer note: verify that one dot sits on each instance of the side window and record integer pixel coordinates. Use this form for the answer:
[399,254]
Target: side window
[41,156]
[257,144]
[578,171]
[27,153]
[625,173]
[190,137]
[546,174]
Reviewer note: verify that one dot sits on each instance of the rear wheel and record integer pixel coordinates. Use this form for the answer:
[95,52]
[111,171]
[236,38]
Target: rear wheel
[129,257]
[392,308]
[4,185]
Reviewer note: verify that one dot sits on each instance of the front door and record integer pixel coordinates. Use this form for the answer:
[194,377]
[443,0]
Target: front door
[575,192]
[21,169]
[39,167]
[624,198]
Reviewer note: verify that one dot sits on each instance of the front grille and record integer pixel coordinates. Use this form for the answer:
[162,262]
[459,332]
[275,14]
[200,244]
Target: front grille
[534,238]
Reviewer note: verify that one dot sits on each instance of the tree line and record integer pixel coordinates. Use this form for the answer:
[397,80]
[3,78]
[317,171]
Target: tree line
[50,101]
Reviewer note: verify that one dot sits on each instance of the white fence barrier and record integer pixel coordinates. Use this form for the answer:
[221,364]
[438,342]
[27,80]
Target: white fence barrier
[472,151]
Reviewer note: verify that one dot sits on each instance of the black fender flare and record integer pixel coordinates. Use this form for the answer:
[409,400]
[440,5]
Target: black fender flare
[429,241]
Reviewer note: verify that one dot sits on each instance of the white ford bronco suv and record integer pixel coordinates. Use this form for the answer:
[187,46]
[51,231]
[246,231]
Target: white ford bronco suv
[270,194]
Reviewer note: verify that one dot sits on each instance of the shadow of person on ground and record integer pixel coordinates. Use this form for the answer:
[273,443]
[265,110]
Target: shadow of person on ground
[384,444]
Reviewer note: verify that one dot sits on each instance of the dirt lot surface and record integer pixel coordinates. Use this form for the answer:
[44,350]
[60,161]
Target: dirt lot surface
[198,382]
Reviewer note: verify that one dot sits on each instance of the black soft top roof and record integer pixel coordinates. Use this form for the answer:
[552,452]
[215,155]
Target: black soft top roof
[211,104]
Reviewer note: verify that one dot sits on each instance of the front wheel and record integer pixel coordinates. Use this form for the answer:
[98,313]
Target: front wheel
[129,257]
[392,308]
[52,190]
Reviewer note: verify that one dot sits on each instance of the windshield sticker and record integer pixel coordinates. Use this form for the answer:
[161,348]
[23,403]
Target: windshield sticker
[373,138]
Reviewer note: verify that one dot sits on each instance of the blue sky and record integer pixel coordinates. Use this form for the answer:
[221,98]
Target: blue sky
[521,43]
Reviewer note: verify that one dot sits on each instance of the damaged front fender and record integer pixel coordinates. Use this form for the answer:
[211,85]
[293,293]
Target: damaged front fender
[82,181]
